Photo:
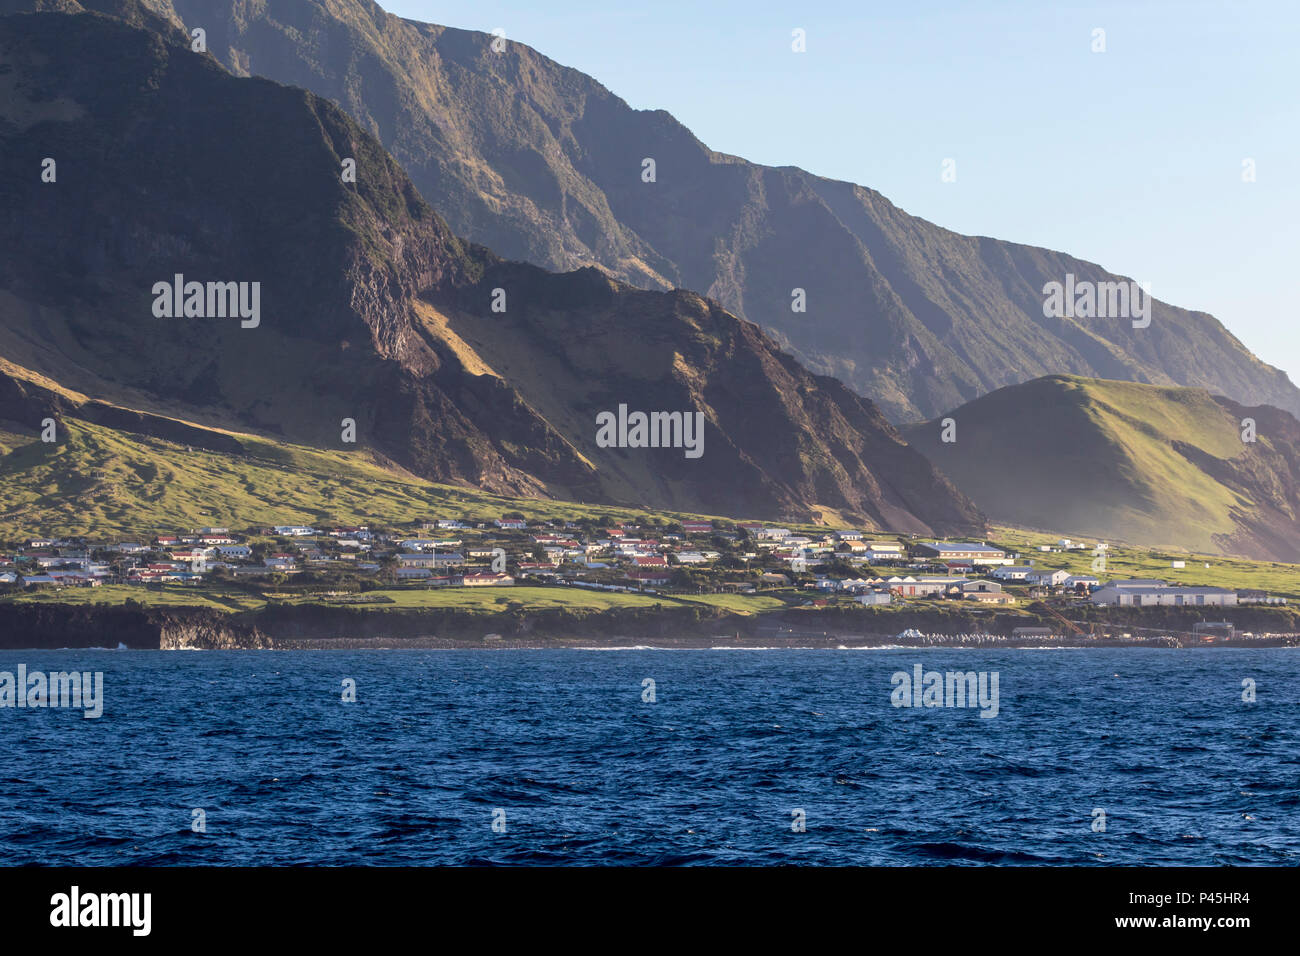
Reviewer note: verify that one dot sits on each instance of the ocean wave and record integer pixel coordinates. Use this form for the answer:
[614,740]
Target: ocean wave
[561,749]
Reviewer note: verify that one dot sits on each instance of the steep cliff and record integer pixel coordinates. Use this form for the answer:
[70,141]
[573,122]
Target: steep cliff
[542,163]
[347,309]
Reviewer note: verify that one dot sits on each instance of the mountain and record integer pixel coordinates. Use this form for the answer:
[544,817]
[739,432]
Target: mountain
[542,163]
[1166,467]
[321,305]
[128,477]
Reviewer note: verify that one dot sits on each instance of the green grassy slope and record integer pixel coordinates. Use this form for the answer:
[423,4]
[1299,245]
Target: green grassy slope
[1164,467]
[105,483]
[1132,561]
[477,600]
[112,485]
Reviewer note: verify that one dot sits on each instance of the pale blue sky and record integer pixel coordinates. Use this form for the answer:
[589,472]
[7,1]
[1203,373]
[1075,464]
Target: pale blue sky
[1131,158]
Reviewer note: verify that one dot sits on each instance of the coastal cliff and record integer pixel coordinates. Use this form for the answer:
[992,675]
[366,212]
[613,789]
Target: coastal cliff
[315,626]
[49,626]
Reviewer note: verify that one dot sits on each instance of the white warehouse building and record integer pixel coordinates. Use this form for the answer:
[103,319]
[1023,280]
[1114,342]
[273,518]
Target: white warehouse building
[1151,593]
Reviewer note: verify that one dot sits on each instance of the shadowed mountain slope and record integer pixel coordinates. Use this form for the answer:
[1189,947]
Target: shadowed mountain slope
[370,310]
[542,163]
[1140,463]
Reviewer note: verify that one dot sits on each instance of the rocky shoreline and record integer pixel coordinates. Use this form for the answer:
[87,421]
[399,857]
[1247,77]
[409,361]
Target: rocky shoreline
[318,627]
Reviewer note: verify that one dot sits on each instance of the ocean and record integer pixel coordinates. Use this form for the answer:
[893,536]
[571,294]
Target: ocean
[640,756]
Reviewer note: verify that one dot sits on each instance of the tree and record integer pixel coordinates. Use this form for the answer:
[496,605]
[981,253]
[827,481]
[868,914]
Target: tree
[683,580]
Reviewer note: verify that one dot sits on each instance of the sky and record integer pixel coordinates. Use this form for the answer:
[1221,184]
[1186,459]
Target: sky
[1133,157]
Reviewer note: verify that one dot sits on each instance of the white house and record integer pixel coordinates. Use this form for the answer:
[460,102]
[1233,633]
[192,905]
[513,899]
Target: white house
[487,580]
[413,574]
[1012,573]
[419,544]
[886,550]
[293,530]
[1047,578]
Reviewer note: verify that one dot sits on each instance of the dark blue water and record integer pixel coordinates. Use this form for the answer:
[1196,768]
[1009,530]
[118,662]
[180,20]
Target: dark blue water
[586,772]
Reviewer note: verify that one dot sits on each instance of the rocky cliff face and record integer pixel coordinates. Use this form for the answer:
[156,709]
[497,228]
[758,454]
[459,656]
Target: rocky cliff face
[25,626]
[446,360]
[55,626]
[542,163]
[776,439]
[168,166]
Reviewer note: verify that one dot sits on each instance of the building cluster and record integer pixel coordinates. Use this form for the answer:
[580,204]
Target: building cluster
[696,555]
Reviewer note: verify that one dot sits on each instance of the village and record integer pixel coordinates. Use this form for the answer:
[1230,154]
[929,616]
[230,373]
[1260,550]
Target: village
[816,568]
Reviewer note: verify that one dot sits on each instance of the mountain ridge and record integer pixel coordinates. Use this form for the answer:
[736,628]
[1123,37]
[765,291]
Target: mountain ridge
[542,163]
[169,165]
